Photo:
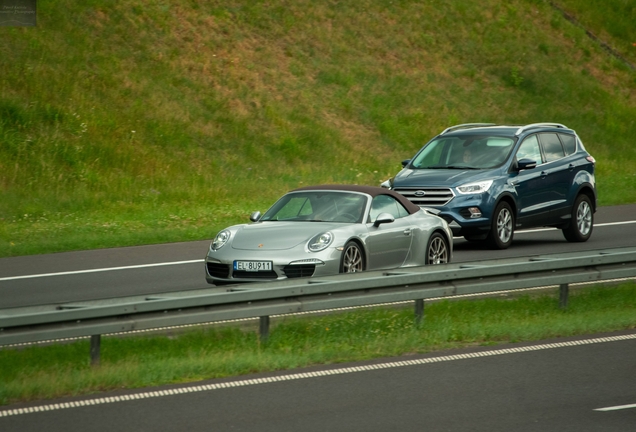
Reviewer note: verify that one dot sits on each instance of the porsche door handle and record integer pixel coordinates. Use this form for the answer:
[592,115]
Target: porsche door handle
[407,232]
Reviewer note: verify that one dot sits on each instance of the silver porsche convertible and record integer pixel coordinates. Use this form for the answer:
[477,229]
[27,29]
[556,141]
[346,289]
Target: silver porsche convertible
[325,230]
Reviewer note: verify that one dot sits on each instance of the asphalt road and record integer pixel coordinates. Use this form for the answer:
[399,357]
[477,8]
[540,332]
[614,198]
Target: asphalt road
[578,385]
[144,270]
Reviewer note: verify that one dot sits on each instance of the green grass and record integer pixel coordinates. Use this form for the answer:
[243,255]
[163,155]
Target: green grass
[45,372]
[126,123]
[143,122]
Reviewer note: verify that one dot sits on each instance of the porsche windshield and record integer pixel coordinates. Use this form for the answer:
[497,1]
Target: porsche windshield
[463,152]
[318,206]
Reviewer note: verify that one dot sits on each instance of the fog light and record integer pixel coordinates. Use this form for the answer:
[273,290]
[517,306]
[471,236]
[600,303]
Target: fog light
[474,212]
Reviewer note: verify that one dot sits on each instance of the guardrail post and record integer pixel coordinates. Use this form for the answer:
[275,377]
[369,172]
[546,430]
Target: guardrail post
[419,311]
[95,348]
[264,328]
[563,295]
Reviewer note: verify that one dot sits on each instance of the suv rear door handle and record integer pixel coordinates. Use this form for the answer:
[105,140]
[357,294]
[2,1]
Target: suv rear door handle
[544,174]
[407,232]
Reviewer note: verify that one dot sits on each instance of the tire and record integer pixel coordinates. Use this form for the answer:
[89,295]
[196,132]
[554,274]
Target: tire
[502,228]
[352,260]
[437,250]
[582,221]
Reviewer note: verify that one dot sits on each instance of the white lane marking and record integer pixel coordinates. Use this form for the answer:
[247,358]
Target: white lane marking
[532,230]
[202,260]
[595,226]
[303,375]
[615,408]
[101,270]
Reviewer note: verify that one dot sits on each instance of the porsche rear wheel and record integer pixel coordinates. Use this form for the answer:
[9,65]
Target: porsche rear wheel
[352,259]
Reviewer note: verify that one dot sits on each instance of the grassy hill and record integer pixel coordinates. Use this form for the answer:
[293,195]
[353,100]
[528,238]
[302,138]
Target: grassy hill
[145,121]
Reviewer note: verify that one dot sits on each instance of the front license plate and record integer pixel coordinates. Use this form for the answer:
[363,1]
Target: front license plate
[253,266]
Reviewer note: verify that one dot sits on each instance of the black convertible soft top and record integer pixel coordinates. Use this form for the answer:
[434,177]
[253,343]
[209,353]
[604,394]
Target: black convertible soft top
[370,190]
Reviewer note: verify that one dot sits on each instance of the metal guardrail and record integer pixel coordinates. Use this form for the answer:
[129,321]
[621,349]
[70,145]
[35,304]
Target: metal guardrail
[94,318]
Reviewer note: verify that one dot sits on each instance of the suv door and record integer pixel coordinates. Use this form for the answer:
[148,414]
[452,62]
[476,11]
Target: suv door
[531,185]
[560,173]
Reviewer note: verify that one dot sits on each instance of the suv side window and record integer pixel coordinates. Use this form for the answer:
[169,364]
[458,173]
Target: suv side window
[569,143]
[552,148]
[387,204]
[529,149]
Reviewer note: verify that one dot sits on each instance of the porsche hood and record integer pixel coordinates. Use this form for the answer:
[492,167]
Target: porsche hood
[268,236]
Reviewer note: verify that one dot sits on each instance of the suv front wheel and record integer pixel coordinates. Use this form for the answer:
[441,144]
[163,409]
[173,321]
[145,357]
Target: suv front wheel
[502,227]
[582,221]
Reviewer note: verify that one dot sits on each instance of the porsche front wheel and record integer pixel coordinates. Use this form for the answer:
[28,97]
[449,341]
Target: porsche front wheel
[352,259]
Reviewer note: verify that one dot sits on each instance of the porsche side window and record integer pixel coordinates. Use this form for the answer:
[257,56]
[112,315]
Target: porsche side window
[387,204]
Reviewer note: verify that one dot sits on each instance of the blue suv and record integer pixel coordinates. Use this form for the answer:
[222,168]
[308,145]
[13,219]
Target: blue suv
[488,180]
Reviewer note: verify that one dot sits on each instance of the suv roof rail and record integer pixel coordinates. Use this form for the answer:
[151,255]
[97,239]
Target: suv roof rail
[466,126]
[537,125]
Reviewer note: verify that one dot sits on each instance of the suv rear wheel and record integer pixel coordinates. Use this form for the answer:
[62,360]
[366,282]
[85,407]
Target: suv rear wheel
[502,227]
[582,221]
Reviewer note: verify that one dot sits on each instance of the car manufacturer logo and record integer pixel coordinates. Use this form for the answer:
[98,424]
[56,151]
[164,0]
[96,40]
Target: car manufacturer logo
[419,193]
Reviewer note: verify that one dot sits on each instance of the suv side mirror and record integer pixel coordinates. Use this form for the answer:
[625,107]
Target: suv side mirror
[524,164]
[383,218]
[405,162]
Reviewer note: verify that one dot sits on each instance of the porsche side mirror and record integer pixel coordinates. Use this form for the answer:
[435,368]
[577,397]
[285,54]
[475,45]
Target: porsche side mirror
[383,218]
[254,217]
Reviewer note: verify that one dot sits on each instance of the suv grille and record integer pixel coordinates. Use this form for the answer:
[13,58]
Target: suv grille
[427,196]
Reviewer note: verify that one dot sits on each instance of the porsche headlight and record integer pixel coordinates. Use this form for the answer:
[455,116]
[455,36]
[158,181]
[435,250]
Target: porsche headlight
[475,188]
[220,239]
[320,242]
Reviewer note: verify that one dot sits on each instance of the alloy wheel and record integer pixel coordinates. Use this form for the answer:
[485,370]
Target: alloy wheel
[584,218]
[352,259]
[437,250]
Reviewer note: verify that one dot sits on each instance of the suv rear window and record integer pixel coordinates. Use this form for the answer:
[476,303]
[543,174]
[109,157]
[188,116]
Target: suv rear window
[552,148]
[569,143]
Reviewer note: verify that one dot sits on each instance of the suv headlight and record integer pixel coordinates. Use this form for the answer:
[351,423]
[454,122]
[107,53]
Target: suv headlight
[320,242]
[220,239]
[475,188]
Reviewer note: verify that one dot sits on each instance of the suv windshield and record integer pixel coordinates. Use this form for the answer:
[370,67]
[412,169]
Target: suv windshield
[463,152]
